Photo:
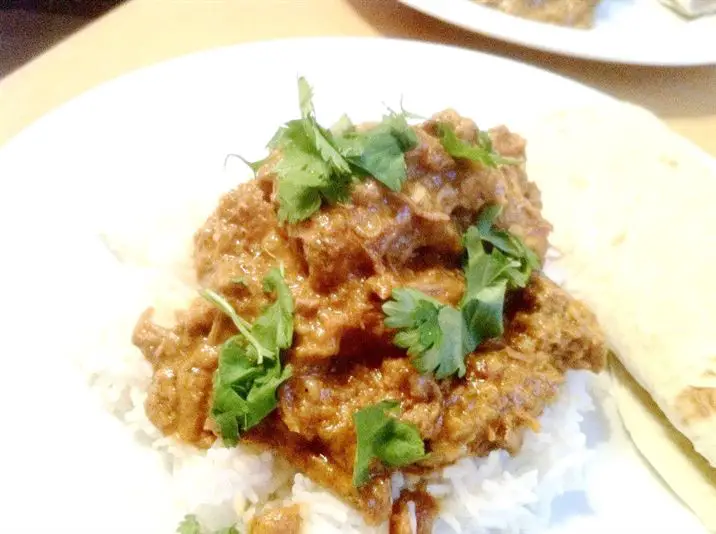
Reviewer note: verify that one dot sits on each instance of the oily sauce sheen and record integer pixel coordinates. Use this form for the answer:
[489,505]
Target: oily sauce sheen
[341,265]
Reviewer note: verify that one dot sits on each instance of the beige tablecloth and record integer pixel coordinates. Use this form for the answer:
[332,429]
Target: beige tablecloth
[142,32]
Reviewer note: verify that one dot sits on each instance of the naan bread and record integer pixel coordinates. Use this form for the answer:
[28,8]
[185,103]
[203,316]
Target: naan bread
[632,205]
[680,466]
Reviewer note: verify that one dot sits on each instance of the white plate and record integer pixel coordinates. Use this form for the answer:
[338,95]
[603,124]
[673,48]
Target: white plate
[101,159]
[642,32]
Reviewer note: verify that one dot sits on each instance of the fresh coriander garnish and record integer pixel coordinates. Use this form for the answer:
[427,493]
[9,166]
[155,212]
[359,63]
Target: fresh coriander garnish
[319,137]
[244,327]
[319,165]
[379,152]
[438,336]
[503,242]
[481,152]
[250,371]
[253,165]
[380,434]
[434,334]
[190,525]
[342,125]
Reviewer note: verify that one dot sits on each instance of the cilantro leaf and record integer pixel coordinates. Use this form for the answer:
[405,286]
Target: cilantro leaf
[420,326]
[190,525]
[401,311]
[235,364]
[261,399]
[436,336]
[244,327]
[320,137]
[297,201]
[397,125]
[292,134]
[243,403]
[509,244]
[304,178]
[274,327]
[488,275]
[483,269]
[305,98]
[244,391]
[250,370]
[428,330]
[318,165]
[342,126]
[483,315]
[253,165]
[310,169]
[481,152]
[380,435]
[398,444]
[447,357]
[377,153]
[380,151]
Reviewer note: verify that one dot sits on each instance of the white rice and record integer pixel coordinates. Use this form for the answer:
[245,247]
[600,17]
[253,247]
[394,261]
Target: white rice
[221,486]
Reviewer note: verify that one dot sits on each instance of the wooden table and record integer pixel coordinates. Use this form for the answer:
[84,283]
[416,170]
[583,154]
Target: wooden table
[142,32]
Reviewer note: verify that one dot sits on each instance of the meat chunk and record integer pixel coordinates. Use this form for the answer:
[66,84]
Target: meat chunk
[326,325]
[547,319]
[379,231]
[349,321]
[320,404]
[243,220]
[283,520]
[332,250]
[502,393]
[178,398]
[414,512]
[461,189]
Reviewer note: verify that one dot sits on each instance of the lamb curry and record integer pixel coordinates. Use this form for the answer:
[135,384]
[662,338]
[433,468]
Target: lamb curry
[338,320]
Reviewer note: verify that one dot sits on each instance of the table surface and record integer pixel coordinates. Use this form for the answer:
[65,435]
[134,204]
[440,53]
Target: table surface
[142,32]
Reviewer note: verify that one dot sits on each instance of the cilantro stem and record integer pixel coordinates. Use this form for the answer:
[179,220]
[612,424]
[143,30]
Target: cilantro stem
[244,326]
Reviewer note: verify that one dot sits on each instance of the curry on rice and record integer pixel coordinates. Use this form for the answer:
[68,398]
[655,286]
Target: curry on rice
[344,267]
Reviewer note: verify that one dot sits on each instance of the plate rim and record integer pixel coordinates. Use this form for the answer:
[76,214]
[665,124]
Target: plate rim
[197,55]
[8,146]
[495,22]
[134,77]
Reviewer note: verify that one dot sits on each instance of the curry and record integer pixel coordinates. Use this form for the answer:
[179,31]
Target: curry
[341,265]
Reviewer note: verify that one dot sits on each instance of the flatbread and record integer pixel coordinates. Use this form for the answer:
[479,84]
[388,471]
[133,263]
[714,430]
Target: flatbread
[632,207]
[685,471]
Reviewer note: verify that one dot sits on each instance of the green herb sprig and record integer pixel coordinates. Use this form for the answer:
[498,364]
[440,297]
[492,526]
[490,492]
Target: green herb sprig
[482,151]
[381,435]
[437,336]
[250,369]
[190,525]
[319,165]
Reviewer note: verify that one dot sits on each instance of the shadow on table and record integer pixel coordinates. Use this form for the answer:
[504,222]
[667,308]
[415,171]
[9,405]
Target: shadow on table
[694,85]
[29,27]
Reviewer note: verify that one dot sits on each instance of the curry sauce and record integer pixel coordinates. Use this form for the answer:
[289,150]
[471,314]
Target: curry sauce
[341,265]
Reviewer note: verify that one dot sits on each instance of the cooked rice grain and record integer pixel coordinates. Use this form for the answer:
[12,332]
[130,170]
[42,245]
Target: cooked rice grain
[224,486]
